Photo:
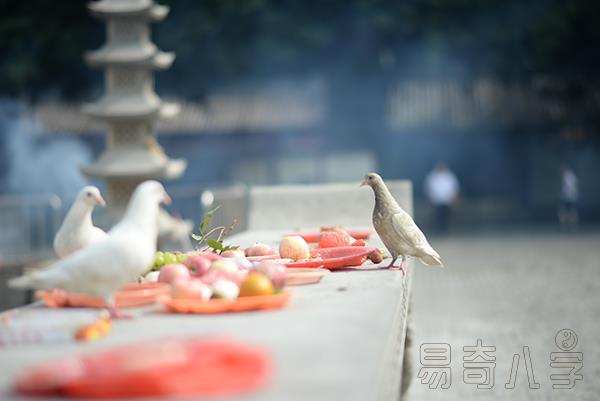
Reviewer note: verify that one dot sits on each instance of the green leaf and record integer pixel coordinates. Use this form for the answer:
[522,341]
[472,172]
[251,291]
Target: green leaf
[216,245]
[230,247]
[196,237]
[207,218]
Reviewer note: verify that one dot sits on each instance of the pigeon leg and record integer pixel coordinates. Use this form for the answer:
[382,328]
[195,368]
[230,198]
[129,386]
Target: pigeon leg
[402,265]
[114,311]
[391,265]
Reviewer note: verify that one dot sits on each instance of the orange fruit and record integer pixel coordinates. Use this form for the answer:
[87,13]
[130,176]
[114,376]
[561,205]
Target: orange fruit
[256,283]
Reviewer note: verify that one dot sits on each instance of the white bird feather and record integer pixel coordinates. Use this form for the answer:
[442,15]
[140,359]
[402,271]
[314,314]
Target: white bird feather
[77,230]
[397,230]
[103,267]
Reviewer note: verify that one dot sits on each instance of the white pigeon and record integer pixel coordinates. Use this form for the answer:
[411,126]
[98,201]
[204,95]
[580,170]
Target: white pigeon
[102,268]
[396,228]
[77,230]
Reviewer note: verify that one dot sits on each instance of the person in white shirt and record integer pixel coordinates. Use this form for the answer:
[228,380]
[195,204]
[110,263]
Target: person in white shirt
[441,187]
[569,195]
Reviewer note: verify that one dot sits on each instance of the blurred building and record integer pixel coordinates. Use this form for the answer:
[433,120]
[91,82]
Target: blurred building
[503,141]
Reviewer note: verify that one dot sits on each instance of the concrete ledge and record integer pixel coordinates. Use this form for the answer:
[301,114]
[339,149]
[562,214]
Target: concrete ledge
[312,206]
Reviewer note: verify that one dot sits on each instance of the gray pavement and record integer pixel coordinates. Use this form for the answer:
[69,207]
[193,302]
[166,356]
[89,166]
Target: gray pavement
[510,291]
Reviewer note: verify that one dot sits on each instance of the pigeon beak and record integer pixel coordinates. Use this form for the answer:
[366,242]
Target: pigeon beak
[363,183]
[100,200]
[166,199]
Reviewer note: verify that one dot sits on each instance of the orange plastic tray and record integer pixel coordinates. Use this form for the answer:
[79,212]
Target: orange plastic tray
[129,296]
[242,304]
[157,368]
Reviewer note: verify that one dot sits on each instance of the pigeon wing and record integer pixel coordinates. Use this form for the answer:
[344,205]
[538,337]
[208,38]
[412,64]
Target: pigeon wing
[405,227]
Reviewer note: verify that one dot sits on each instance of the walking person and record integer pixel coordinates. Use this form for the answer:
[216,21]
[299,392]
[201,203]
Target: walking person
[442,187]
[568,216]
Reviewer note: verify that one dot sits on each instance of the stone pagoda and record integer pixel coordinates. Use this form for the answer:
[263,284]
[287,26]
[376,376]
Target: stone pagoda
[130,107]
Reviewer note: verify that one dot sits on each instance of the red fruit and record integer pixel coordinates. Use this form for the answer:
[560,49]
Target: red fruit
[171,273]
[199,264]
[210,255]
[358,242]
[233,253]
[190,289]
[276,272]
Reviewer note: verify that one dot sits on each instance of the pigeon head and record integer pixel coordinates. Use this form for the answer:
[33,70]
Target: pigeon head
[153,192]
[91,196]
[372,179]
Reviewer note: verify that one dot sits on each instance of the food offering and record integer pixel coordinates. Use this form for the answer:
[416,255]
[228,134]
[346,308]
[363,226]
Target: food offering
[207,282]
[335,248]
[325,234]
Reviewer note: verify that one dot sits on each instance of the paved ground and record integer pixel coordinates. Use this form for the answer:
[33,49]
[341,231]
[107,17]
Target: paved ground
[510,291]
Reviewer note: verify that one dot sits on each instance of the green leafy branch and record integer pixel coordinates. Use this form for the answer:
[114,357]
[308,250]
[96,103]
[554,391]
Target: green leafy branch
[205,233]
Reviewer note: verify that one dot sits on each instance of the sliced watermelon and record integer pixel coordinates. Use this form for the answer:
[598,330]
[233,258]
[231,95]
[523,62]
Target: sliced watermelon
[313,237]
[332,239]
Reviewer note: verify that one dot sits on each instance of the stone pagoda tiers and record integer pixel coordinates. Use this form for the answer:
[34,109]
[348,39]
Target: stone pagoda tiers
[130,107]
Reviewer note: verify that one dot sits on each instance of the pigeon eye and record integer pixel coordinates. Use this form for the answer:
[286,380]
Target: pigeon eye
[89,194]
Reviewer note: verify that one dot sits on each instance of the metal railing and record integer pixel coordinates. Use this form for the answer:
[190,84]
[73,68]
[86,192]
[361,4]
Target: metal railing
[27,226]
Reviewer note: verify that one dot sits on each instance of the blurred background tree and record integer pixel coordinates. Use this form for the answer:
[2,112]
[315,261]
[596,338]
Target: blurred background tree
[220,41]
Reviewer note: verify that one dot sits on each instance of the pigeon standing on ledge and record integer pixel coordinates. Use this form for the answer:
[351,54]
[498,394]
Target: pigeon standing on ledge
[77,230]
[105,266]
[397,229]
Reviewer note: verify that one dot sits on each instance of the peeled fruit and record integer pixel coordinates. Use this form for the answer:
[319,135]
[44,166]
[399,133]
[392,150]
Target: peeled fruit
[225,289]
[199,264]
[259,249]
[224,265]
[171,273]
[190,289]
[233,253]
[256,283]
[294,247]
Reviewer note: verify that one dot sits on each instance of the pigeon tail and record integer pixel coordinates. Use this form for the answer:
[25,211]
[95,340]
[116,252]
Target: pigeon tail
[431,258]
[20,282]
[31,280]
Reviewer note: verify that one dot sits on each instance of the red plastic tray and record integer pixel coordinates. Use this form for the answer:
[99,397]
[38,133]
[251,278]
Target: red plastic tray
[157,368]
[335,258]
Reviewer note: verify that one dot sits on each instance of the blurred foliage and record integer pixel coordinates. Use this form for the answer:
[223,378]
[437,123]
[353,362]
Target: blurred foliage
[221,41]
